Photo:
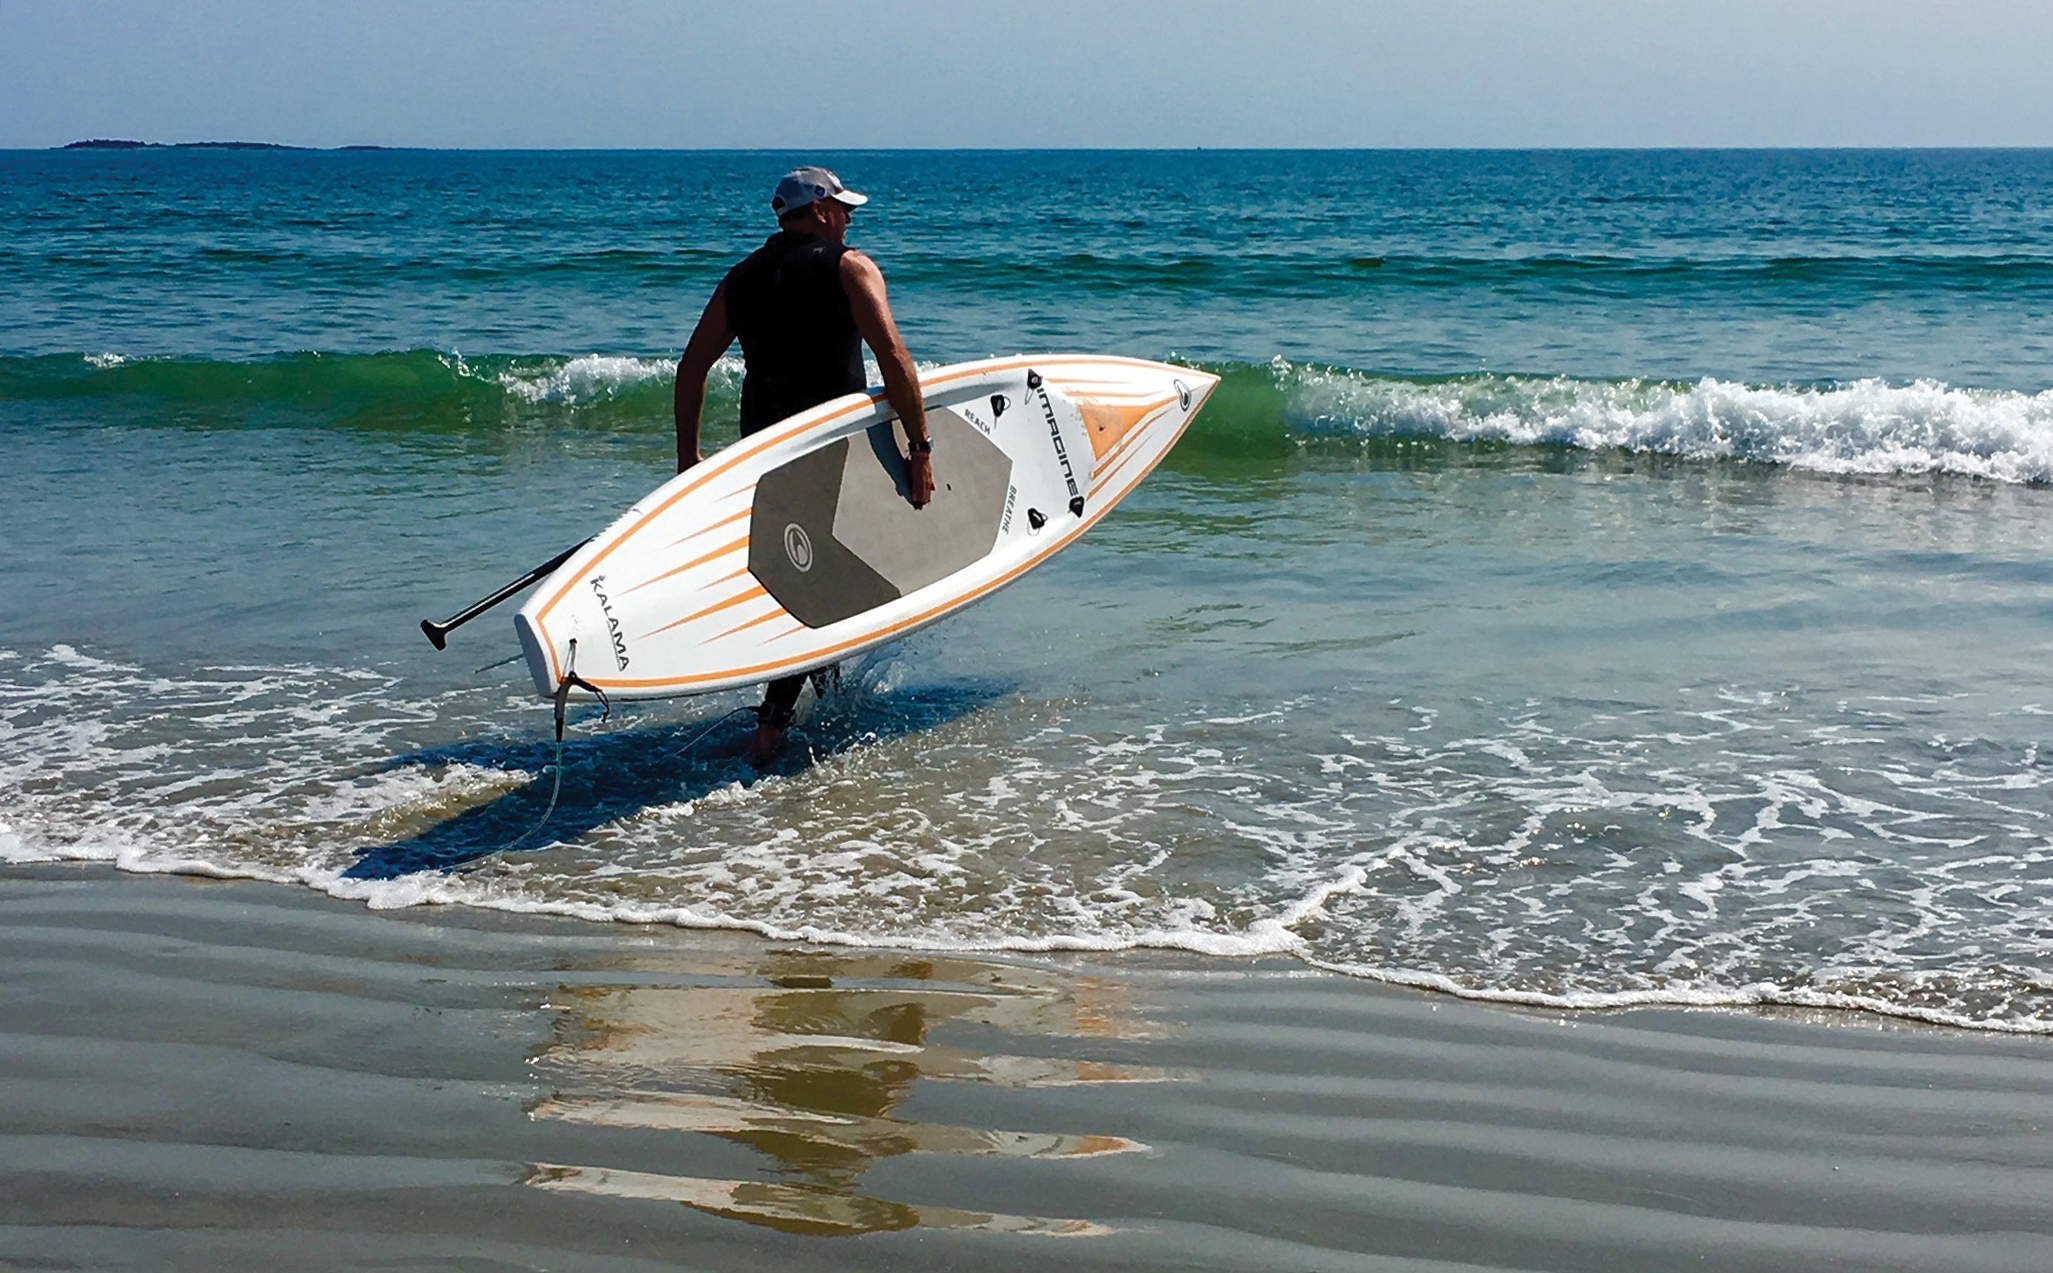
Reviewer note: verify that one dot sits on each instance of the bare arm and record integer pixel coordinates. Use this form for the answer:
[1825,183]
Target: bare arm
[709,340]
[864,283]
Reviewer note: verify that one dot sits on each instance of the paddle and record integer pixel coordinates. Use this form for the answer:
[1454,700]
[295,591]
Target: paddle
[438,633]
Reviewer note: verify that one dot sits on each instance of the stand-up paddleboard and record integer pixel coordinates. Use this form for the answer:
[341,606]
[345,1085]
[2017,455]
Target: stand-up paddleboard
[797,546]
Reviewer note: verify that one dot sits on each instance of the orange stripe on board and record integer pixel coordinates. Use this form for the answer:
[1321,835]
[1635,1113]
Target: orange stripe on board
[1110,473]
[778,613]
[825,652]
[722,550]
[1117,455]
[1125,451]
[735,600]
[1112,459]
[700,474]
[712,526]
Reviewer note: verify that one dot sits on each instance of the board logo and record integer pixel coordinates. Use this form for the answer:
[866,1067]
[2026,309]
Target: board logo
[612,624]
[1182,394]
[798,546]
[1076,497]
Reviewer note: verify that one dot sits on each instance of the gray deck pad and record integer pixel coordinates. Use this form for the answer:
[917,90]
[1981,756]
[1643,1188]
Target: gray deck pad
[832,533]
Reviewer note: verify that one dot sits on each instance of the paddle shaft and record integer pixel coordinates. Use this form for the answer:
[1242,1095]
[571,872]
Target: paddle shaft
[438,633]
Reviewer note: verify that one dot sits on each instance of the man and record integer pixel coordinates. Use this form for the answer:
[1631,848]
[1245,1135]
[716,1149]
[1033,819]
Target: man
[799,305]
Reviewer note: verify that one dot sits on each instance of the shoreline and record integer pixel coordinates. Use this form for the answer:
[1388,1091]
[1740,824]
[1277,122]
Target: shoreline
[236,1074]
[1769,1001]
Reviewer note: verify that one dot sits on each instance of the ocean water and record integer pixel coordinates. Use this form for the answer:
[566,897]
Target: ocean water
[1601,578]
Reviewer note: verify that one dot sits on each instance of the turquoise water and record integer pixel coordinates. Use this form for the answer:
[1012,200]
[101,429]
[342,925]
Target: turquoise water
[1601,578]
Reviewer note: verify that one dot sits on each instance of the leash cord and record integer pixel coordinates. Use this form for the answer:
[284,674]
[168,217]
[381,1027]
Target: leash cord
[571,680]
[707,732]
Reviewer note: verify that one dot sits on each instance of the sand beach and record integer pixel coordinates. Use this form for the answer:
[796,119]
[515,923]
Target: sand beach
[236,1075]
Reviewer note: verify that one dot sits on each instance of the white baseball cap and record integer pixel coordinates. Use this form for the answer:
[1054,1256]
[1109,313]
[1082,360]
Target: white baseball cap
[802,186]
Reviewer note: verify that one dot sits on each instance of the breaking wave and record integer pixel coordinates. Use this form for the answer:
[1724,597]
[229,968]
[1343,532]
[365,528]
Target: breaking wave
[1861,427]
[1869,427]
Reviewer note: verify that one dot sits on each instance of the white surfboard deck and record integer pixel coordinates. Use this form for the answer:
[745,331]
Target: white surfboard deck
[796,546]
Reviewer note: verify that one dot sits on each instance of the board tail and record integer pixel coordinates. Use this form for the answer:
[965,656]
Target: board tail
[537,657]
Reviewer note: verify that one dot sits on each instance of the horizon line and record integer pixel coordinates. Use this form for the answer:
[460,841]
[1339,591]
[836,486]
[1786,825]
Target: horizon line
[98,144]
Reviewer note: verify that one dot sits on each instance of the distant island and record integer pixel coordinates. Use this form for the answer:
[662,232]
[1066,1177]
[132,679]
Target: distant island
[121,143]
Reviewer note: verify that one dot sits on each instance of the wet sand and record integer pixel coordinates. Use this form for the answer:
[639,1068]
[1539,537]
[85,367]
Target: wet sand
[221,1075]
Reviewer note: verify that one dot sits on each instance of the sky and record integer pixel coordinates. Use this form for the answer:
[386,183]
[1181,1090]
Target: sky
[853,74]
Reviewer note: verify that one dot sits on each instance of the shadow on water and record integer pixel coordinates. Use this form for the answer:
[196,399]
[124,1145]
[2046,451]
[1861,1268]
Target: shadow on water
[619,773]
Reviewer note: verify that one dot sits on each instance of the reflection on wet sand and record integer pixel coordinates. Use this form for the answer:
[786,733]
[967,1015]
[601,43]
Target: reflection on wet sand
[806,1058]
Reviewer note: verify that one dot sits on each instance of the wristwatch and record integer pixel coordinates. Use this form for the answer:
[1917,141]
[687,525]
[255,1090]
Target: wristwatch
[920,446]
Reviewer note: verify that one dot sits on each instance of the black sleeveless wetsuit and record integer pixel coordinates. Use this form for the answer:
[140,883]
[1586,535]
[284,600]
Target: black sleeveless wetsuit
[800,347]
[798,336]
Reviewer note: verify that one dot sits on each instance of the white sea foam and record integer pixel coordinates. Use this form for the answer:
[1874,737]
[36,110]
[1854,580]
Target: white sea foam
[576,381]
[1862,427]
[595,378]
[1704,854]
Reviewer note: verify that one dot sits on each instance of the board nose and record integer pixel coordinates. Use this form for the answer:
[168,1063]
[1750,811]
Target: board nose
[1193,387]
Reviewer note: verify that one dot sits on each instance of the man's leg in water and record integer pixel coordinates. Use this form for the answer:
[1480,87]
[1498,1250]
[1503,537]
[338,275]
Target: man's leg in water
[780,699]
